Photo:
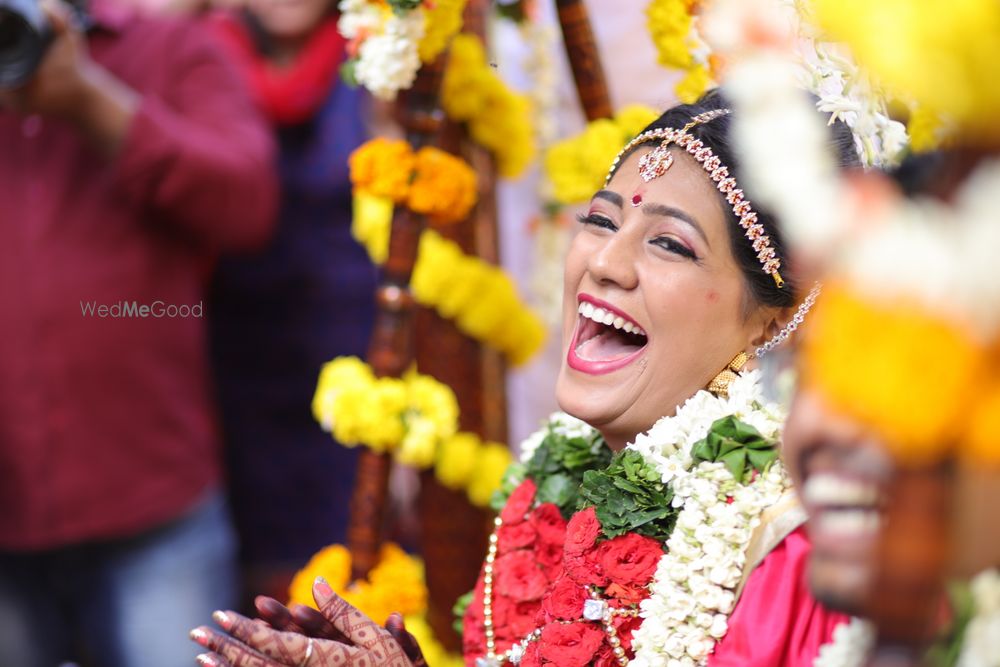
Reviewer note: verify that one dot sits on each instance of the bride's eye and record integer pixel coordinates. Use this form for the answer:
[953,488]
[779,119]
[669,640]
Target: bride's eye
[674,246]
[597,221]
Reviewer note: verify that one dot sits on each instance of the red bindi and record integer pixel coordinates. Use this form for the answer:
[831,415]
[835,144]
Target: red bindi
[636,199]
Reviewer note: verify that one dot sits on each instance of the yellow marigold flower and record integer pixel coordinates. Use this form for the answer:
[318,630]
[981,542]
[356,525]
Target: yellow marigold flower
[872,361]
[669,23]
[334,377]
[456,459]
[492,462]
[433,400]
[372,224]
[382,168]
[419,445]
[442,20]
[400,577]
[693,85]
[981,444]
[463,83]
[942,54]
[434,652]
[443,188]
[633,119]
[333,563]
[924,128]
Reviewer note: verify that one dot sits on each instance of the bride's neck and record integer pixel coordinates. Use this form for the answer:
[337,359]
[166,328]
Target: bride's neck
[617,441]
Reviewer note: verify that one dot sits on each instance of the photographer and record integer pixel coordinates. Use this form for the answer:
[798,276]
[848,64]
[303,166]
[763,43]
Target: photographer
[131,156]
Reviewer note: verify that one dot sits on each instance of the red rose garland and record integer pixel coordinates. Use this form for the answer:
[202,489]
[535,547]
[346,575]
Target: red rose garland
[542,573]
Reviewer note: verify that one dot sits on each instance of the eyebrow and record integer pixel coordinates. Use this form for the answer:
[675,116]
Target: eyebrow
[655,209]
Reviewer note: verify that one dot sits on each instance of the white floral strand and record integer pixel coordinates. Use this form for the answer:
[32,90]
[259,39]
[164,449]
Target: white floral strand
[981,647]
[851,645]
[388,59]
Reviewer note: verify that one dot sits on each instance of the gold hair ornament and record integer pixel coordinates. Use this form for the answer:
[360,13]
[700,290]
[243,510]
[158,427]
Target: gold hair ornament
[656,163]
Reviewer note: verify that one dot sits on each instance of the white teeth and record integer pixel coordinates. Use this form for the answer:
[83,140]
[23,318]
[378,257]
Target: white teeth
[830,489]
[591,312]
[841,522]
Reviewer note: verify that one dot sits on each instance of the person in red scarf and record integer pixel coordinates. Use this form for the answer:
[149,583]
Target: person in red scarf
[279,315]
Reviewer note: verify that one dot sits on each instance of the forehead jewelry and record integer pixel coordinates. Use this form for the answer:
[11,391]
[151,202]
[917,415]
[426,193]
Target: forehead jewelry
[658,161]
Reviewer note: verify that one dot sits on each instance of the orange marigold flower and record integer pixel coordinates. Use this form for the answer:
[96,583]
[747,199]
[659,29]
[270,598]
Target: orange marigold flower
[383,168]
[443,188]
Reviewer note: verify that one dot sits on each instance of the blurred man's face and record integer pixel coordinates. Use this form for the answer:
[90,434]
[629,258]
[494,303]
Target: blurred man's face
[842,477]
[290,19]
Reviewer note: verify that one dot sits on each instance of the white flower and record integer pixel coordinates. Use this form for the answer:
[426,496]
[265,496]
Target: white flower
[981,647]
[850,647]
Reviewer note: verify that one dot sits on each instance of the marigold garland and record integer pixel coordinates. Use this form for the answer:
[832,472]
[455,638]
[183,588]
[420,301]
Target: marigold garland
[911,374]
[430,181]
[415,418]
[479,297]
[498,118]
[671,25]
[940,53]
[576,167]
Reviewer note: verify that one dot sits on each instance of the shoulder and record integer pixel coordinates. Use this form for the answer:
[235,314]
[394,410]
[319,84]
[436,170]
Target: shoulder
[777,621]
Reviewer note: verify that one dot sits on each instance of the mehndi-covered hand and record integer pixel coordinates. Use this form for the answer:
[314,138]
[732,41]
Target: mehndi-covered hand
[254,643]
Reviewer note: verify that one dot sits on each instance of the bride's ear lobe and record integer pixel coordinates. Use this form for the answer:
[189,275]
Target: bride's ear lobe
[771,321]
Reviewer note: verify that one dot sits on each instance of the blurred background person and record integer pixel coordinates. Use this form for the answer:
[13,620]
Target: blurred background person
[131,155]
[277,317]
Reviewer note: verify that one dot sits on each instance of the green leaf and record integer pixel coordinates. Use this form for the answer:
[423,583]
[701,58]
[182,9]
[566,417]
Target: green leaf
[558,489]
[461,604]
[348,73]
[737,445]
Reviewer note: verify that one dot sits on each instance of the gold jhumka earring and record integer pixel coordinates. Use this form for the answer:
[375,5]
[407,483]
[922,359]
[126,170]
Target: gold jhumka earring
[720,383]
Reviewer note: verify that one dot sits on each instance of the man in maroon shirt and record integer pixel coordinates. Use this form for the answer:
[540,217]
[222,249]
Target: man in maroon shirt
[130,158]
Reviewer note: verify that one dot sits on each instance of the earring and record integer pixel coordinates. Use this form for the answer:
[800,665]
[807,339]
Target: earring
[721,382]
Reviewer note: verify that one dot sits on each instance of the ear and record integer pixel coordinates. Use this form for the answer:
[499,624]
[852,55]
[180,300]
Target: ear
[766,324]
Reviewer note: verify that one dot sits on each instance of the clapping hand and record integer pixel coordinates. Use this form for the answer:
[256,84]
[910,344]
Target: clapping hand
[336,635]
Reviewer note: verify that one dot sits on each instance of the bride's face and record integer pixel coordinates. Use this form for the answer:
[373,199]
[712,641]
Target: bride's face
[654,260]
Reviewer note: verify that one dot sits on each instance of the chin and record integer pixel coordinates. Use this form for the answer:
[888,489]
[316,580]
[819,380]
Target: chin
[841,587]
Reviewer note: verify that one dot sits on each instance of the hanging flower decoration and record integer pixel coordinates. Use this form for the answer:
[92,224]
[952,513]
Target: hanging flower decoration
[673,25]
[576,167]
[388,41]
[906,337]
[498,118]
[429,181]
[414,418]
[941,54]
[479,297]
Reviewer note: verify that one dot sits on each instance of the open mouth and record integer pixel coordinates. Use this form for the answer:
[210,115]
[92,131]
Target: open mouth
[842,507]
[606,339]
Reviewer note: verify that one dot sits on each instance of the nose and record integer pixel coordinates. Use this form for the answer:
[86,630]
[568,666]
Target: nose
[614,263]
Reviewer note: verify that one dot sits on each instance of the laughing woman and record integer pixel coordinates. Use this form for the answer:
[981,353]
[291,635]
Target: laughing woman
[655,526]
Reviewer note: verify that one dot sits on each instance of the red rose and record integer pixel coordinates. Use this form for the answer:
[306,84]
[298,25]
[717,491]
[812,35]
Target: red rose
[550,556]
[585,569]
[518,576]
[515,536]
[519,503]
[605,657]
[570,644]
[630,560]
[531,658]
[549,523]
[627,594]
[582,531]
[565,600]
[626,625]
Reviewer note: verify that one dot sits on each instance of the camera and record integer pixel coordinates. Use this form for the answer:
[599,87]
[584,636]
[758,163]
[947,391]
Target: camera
[25,35]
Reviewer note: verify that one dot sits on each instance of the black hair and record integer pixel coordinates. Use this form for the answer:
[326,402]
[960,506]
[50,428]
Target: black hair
[761,288]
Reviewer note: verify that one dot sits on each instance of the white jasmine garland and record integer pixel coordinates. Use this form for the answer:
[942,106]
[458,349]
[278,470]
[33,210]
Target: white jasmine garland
[388,58]
[851,645]
[981,645]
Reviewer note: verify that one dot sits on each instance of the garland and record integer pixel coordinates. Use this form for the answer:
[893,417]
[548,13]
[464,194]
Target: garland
[498,118]
[972,640]
[898,269]
[414,418]
[577,166]
[388,41]
[601,583]
[673,26]
[479,297]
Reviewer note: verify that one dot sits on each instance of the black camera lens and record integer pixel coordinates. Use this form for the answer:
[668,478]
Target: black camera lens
[24,37]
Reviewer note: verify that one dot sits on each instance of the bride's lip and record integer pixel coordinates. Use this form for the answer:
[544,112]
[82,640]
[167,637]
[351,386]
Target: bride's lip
[590,367]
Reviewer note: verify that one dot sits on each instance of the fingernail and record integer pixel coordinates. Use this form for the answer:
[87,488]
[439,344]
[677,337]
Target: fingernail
[323,586]
[223,619]
[206,660]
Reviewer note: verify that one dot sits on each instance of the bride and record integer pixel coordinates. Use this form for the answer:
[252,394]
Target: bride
[655,526]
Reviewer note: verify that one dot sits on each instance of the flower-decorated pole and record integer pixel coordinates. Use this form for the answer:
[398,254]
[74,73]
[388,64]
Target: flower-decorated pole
[390,352]
[584,59]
